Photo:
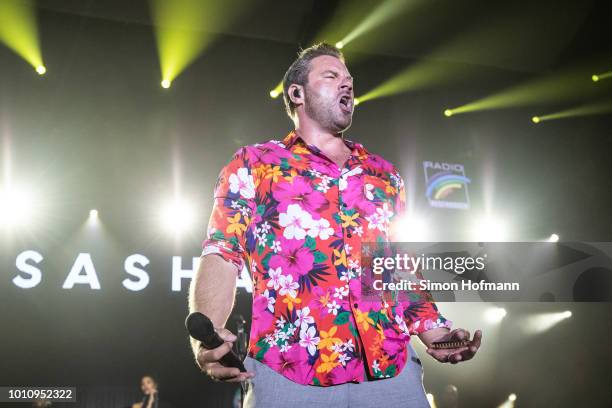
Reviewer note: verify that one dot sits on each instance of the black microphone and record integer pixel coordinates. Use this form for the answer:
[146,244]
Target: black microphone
[201,328]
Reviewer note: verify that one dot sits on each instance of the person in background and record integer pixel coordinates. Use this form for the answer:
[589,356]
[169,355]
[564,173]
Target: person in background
[148,385]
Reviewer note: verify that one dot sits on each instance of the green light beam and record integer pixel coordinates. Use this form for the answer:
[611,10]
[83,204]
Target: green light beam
[599,77]
[19,31]
[559,87]
[184,28]
[598,108]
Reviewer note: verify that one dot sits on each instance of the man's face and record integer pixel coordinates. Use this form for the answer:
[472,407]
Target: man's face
[328,95]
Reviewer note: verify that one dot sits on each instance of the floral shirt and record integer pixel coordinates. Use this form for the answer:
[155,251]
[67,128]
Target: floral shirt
[297,221]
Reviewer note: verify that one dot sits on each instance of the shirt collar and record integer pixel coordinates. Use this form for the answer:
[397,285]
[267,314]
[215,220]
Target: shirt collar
[292,138]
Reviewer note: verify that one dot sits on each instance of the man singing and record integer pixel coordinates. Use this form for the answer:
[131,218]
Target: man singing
[295,213]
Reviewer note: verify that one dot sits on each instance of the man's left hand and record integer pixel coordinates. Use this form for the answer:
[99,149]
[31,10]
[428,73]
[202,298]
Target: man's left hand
[456,355]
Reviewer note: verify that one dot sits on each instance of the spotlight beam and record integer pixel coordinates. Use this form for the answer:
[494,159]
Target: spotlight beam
[382,13]
[602,76]
[599,108]
[562,86]
[184,28]
[19,31]
[277,91]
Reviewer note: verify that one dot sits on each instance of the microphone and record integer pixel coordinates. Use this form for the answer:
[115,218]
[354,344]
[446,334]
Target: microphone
[201,328]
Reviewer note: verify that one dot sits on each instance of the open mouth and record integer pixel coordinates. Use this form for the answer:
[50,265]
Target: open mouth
[346,103]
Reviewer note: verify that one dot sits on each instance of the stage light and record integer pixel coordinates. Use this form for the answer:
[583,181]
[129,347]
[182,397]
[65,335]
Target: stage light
[431,400]
[41,70]
[356,102]
[535,119]
[544,321]
[603,75]
[553,238]
[185,28]
[166,83]
[489,229]
[277,91]
[595,108]
[177,216]
[15,207]
[557,87]
[448,113]
[373,18]
[495,315]
[18,30]
[512,397]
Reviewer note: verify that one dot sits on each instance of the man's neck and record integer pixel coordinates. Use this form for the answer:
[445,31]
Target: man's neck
[331,144]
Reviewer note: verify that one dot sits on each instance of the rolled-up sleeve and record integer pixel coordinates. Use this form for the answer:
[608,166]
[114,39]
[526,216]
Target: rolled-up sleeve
[231,213]
[420,312]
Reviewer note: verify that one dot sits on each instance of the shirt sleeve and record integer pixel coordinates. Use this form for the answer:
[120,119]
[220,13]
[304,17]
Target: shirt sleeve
[233,205]
[420,312]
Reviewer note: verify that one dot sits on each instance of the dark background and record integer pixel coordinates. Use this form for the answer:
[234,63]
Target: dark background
[97,131]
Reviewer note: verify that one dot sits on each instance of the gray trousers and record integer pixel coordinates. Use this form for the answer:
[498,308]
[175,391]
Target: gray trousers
[270,389]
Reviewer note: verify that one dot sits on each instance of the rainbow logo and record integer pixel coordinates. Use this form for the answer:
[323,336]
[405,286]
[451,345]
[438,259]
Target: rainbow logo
[446,185]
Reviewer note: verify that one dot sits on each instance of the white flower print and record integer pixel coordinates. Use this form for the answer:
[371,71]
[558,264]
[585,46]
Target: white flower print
[401,323]
[275,278]
[285,347]
[265,227]
[295,222]
[271,300]
[276,246]
[333,307]
[309,340]
[348,345]
[337,348]
[288,286]
[343,182]
[367,189]
[280,322]
[343,358]
[303,318]
[242,182]
[270,339]
[374,222]
[384,213]
[342,292]
[321,229]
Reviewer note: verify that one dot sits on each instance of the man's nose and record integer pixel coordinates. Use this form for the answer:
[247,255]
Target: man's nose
[347,84]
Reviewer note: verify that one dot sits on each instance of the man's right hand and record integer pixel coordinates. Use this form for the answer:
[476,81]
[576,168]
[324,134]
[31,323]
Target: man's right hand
[208,360]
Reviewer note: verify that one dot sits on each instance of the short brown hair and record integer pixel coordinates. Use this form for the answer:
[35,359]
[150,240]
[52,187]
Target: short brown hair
[300,68]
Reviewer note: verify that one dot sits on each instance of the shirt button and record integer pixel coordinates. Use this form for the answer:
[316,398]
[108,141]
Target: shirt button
[343,205]
[349,235]
[355,305]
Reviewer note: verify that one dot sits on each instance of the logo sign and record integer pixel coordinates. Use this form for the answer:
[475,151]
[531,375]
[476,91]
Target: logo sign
[446,185]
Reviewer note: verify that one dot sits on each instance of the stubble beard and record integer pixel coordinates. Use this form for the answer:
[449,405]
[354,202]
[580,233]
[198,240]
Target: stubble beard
[324,113]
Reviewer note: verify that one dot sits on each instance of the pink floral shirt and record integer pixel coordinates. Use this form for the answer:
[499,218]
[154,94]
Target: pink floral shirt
[297,221]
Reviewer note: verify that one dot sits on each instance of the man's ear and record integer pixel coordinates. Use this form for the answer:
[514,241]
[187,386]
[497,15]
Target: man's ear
[296,94]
